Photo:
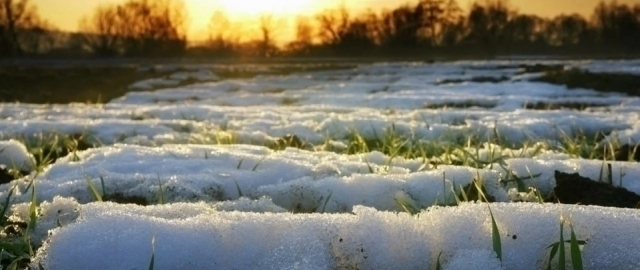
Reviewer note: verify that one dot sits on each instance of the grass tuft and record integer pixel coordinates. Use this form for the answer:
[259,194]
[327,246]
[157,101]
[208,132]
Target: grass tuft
[558,248]
[407,206]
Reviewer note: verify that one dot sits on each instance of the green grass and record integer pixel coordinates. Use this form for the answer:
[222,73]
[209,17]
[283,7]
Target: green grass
[16,251]
[391,142]
[47,148]
[558,248]
[496,243]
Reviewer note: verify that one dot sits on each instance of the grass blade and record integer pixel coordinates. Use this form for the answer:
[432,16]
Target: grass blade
[554,251]
[369,166]
[576,256]
[561,253]
[438,266]
[14,264]
[33,207]
[153,252]
[104,190]
[495,235]
[160,191]
[324,206]
[94,191]
[5,207]
[257,164]
[238,188]
[407,206]
[239,164]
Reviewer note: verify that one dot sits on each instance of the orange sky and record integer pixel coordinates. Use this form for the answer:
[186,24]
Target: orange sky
[66,13]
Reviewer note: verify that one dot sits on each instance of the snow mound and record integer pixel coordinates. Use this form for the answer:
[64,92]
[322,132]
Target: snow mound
[195,236]
[14,155]
[295,179]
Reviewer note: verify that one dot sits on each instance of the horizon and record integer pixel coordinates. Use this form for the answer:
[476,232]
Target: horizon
[246,12]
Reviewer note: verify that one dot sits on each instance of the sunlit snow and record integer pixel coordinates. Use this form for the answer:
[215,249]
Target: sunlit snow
[220,198]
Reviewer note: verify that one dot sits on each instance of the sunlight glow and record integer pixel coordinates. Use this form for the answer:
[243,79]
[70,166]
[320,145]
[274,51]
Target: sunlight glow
[273,7]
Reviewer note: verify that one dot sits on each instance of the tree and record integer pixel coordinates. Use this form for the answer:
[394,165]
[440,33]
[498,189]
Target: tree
[453,24]
[333,24]
[304,37]
[618,25]
[268,26]
[153,27]
[357,39]
[137,28]
[400,28]
[16,17]
[39,39]
[432,19]
[224,38]
[103,33]
[566,30]
[524,31]
[486,23]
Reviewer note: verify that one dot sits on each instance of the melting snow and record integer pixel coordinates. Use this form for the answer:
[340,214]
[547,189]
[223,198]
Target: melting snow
[197,236]
[230,206]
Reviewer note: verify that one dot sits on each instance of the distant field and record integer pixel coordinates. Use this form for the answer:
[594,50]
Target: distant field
[525,164]
[98,81]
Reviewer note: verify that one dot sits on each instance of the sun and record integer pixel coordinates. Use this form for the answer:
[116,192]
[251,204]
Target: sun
[273,7]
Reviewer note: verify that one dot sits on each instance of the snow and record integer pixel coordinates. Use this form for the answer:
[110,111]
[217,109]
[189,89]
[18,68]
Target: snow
[196,236]
[14,155]
[149,84]
[234,203]
[297,180]
[317,106]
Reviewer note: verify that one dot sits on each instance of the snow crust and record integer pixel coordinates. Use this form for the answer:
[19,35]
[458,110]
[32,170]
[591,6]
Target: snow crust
[14,155]
[317,106]
[245,206]
[297,180]
[195,236]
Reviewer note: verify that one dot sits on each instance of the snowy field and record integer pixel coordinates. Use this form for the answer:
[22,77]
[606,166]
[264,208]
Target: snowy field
[317,170]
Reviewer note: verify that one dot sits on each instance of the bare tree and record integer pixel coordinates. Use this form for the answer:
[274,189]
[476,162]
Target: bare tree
[400,27]
[153,27]
[137,28]
[453,26]
[618,25]
[16,16]
[39,39]
[566,30]
[432,19]
[486,23]
[333,24]
[224,38]
[268,27]
[103,33]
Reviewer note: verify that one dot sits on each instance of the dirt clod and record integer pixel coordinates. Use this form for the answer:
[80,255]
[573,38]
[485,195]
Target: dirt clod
[575,189]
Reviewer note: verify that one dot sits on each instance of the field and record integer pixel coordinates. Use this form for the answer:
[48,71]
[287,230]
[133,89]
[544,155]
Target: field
[381,165]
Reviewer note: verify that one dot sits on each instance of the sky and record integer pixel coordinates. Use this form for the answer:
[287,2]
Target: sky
[65,14]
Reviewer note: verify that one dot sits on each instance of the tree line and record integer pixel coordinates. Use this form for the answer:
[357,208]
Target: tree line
[157,28]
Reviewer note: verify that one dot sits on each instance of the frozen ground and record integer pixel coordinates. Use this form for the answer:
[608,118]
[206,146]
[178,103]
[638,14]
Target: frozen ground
[242,206]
